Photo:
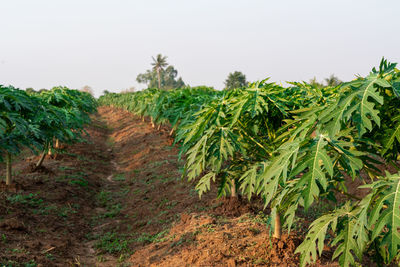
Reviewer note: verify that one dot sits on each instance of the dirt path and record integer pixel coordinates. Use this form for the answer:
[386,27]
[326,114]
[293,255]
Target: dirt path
[53,212]
[119,201]
[98,202]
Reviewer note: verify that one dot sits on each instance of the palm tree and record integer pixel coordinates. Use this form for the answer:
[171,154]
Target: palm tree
[332,80]
[159,63]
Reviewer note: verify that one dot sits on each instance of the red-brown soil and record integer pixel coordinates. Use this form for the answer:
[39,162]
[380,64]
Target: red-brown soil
[119,200]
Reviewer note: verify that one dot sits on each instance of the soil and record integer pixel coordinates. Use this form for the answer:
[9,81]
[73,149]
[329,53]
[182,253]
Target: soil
[119,200]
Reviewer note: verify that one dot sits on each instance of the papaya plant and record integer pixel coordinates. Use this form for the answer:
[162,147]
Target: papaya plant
[35,120]
[321,145]
[295,146]
[70,110]
[17,129]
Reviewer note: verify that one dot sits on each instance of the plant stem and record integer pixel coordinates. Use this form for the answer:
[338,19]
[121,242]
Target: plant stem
[171,132]
[277,230]
[347,194]
[233,189]
[8,169]
[39,163]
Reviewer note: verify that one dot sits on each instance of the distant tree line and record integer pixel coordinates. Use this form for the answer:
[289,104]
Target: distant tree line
[164,76]
[330,81]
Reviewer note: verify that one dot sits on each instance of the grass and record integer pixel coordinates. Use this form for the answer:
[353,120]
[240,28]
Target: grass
[156,238]
[45,210]
[104,198]
[11,263]
[124,191]
[119,177]
[66,168]
[113,211]
[112,243]
[4,238]
[78,179]
[66,211]
[31,199]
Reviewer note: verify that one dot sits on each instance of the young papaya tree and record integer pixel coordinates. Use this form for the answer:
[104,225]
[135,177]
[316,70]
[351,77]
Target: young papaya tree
[239,129]
[69,112]
[321,145]
[17,127]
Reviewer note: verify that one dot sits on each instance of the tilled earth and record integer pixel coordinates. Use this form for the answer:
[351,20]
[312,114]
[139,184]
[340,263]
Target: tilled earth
[119,200]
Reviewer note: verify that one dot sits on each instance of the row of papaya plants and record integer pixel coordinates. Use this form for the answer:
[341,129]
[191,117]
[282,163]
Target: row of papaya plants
[38,121]
[295,146]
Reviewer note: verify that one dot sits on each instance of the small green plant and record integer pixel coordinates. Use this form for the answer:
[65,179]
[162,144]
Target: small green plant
[111,242]
[65,168]
[50,256]
[119,177]
[4,238]
[104,198]
[31,199]
[113,211]
[79,181]
[66,211]
[148,238]
[31,263]
[45,210]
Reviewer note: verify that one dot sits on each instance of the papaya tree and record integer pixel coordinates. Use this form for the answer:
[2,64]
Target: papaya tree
[321,145]
[17,112]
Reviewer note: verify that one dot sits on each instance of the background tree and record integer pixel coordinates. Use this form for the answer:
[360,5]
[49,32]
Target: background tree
[235,80]
[159,63]
[129,90]
[166,79]
[315,83]
[332,80]
[87,89]
[30,90]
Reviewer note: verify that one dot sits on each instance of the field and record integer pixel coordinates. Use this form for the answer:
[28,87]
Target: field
[119,200]
[261,175]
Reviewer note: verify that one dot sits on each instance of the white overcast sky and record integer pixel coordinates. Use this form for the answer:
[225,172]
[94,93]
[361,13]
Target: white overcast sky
[106,43]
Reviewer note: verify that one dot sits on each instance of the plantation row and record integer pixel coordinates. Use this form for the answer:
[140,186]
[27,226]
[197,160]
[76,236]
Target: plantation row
[39,121]
[295,146]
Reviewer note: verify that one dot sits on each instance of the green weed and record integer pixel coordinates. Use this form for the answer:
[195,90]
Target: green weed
[112,243]
[31,199]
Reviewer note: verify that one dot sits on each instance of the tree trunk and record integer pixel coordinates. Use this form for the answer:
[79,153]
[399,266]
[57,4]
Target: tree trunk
[159,78]
[159,126]
[57,146]
[39,163]
[8,169]
[143,118]
[152,122]
[277,230]
[233,189]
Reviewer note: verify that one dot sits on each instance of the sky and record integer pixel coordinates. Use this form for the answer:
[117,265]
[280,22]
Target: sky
[106,44]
